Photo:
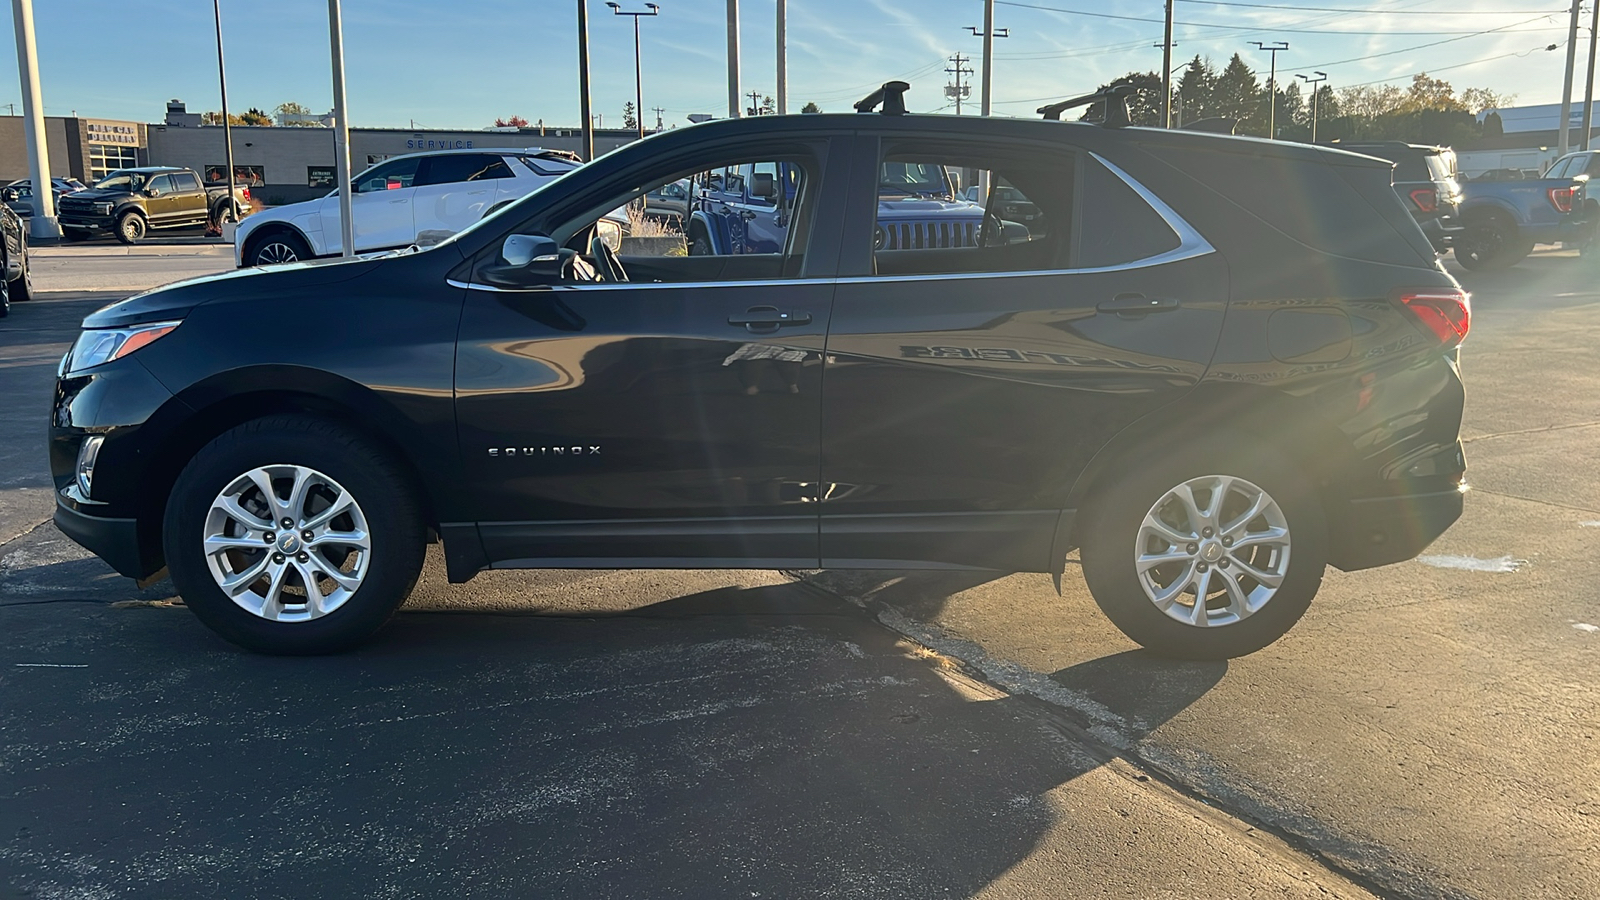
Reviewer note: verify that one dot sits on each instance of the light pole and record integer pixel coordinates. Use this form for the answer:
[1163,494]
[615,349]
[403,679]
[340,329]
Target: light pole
[1312,83]
[1566,85]
[227,126]
[341,131]
[733,59]
[1272,85]
[1166,67]
[1588,84]
[583,81]
[783,58]
[650,9]
[43,223]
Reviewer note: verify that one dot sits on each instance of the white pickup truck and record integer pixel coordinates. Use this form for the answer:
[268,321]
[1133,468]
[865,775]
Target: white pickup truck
[398,199]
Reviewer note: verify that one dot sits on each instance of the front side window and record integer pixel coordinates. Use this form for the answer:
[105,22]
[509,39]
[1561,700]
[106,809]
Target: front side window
[391,176]
[161,184]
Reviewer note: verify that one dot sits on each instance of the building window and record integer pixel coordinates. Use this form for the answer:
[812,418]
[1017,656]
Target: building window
[249,176]
[320,176]
[103,160]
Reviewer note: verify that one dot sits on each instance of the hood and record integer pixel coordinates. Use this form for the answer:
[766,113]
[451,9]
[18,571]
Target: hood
[94,194]
[917,207]
[176,300]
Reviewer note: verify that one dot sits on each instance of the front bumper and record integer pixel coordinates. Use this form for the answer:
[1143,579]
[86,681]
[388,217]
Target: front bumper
[1385,530]
[92,224]
[114,540]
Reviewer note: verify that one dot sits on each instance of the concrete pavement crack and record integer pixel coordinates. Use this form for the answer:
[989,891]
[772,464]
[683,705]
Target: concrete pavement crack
[23,533]
[1582,509]
[1501,434]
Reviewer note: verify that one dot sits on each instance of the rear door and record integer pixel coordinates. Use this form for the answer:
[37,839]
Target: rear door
[454,190]
[967,387]
[380,208]
[190,203]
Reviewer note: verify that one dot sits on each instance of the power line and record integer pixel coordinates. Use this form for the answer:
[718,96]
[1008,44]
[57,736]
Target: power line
[1385,12]
[1432,69]
[1421,46]
[1275,29]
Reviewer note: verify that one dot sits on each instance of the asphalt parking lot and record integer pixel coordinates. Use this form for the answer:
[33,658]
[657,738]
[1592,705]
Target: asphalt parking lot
[1428,730]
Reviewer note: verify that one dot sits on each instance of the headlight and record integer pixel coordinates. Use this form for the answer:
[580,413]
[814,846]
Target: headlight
[102,345]
[88,452]
[103,209]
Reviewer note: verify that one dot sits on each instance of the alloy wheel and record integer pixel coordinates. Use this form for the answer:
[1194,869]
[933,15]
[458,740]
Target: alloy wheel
[287,543]
[1212,551]
[274,252]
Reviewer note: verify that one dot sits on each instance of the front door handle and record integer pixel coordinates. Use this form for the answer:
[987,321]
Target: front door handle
[767,319]
[1134,306]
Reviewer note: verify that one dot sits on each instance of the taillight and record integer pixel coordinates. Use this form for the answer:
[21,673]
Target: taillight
[1445,312]
[1561,198]
[246,193]
[1426,199]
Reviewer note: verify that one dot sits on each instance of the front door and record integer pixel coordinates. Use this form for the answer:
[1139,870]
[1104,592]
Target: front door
[454,190]
[380,208]
[967,387]
[162,202]
[670,419]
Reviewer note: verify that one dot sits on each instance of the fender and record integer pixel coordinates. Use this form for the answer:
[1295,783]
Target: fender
[714,230]
[1485,205]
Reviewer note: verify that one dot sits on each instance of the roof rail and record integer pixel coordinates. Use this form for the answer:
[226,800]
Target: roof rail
[1114,97]
[1213,125]
[891,96]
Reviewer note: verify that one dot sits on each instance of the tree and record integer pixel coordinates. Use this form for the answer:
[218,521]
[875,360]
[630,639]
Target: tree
[1476,100]
[768,107]
[1195,88]
[629,118]
[253,116]
[215,118]
[1238,95]
[1430,93]
[512,122]
[810,108]
[1144,105]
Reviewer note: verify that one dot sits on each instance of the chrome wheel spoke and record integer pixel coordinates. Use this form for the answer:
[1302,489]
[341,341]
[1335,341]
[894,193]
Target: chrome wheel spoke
[1267,579]
[1270,536]
[1185,495]
[342,503]
[1202,585]
[1151,560]
[230,506]
[356,540]
[1173,591]
[272,602]
[1238,600]
[1232,529]
[342,579]
[316,601]
[236,585]
[296,505]
[1167,533]
[222,543]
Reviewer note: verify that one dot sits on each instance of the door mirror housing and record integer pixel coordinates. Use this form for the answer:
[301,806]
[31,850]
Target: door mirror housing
[763,186]
[533,252]
[152,192]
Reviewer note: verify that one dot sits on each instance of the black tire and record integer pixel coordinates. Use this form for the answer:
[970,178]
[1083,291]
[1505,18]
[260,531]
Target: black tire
[5,299]
[1491,243]
[377,483]
[1111,530]
[22,287]
[74,235]
[131,227]
[280,242]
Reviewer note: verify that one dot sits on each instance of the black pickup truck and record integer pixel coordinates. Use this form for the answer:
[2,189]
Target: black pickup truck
[129,203]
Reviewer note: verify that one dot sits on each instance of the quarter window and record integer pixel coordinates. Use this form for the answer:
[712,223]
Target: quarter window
[1118,227]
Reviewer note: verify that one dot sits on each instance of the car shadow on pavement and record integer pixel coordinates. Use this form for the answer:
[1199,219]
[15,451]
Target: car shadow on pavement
[767,741]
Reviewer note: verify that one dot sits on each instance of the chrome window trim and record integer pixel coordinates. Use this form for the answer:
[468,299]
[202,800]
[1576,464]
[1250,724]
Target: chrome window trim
[1191,244]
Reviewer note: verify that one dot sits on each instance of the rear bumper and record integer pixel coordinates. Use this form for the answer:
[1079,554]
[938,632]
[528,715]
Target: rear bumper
[1386,530]
[114,540]
[1442,231]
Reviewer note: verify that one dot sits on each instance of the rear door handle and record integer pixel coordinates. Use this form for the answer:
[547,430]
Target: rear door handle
[767,319]
[1133,306]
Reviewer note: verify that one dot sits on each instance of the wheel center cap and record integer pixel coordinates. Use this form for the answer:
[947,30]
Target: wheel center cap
[1211,551]
[289,543]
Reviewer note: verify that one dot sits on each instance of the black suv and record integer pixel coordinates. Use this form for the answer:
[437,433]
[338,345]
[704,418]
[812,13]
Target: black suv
[1425,179]
[1226,364]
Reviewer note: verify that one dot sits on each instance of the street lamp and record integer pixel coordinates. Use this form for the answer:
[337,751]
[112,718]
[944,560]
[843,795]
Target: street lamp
[1272,85]
[638,80]
[1312,83]
[227,127]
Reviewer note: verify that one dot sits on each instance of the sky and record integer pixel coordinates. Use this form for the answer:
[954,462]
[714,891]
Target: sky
[461,64]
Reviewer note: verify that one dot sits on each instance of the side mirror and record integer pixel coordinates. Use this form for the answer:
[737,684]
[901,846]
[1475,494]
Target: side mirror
[152,192]
[761,185]
[534,252]
[10,194]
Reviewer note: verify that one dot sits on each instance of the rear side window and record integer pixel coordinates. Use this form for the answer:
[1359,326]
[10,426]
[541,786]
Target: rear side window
[1118,226]
[185,181]
[1413,167]
[460,167]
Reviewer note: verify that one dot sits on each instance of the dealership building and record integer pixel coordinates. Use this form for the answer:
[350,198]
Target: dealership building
[280,164]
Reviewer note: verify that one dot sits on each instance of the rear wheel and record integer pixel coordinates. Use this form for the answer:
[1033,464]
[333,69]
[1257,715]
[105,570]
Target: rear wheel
[290,535]
[22,288]
[1207,555]
[131,228]
[1491,242]
[275,248]
[5,299]
[74,235]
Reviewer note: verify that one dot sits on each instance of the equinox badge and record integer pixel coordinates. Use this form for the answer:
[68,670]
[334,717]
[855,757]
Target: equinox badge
[589,450]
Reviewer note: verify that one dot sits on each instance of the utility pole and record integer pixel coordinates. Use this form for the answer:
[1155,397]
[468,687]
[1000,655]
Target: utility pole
[783,58]
[733,59]
[755,103]
[1312,83]
[1566,83]
[341,132]
[1272,85]
[958,91]
[658,111]
[1588,84]
[44,199]
[989,33]
[1166,71]
[227,127]
[583,80]
[638,80]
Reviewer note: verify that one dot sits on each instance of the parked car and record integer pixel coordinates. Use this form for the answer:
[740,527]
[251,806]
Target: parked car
[1425,179]
[1135,384]
[1584,163]
[669,203]
[17,283]
[1506,219]
[130,203]
[1010,205]
[398,199]
[19,194]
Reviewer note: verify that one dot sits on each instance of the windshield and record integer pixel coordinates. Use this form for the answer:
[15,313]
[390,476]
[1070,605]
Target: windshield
[913,180]
[121,181]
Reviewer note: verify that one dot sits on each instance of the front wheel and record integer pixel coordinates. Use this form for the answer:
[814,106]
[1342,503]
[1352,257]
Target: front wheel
[1206,556]
[290,535]
[22,288]
[1491,243]
[277,248]
[131,228]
